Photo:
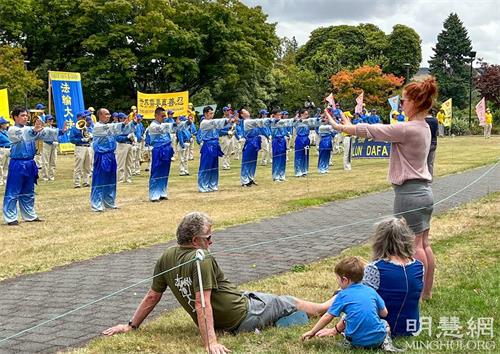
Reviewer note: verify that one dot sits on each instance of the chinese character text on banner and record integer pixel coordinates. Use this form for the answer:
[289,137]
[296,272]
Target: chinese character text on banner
[448,115]
[174,101]
[68,98]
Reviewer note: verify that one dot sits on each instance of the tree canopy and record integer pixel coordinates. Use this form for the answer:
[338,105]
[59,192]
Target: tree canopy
[335,48]
[450,62]
[488,83]
[121,46]
[377,86]
[13,75]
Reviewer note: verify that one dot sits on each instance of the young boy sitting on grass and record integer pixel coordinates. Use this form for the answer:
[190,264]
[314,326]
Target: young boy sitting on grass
[362,306]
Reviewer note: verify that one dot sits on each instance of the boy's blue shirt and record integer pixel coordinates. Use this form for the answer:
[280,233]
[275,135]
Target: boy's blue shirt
[361,305]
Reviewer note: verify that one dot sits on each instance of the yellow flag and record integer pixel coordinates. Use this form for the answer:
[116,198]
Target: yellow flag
[447,108]
[176,102]
[4,105]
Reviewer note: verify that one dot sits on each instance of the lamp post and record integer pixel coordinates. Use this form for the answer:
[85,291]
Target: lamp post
[472,57]
[407,78]
[26,62]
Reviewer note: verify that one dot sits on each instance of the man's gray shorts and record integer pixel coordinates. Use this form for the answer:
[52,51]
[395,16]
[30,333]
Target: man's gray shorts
[265,309]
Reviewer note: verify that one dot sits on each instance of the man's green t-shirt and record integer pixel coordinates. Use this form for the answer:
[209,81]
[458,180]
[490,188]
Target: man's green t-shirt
[229,306]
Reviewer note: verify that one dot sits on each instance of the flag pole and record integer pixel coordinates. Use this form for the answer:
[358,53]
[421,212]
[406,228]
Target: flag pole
[50,94]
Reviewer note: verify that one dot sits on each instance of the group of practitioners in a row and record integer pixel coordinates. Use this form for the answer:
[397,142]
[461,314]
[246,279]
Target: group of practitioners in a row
[107,153]
[375,302]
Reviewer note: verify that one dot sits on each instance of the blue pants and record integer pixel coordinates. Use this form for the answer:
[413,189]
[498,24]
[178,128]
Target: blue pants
[160,170]
[20,187]
[103,191]
[208,173]
[249,159]
[301,155]
[279,158]
[325,151]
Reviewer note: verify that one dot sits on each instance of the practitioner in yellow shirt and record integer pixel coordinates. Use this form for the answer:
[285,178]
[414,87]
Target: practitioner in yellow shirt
[488,124]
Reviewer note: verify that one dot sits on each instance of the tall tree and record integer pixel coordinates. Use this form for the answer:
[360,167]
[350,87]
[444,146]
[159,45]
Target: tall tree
[404,47]
[450,63]
[488,83]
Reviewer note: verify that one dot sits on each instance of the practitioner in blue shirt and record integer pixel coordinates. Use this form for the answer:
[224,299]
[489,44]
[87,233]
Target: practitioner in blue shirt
[279,131]
[239,137]
[252,129]
[193,131]
[138,146]
[161,157]
[289,133]
[81,138]
[373,118]
[49,151]
[208,173]
[103,193]
[265,137]
[326,135]
[303,125]
[183,133]
[23,172]
[173,137]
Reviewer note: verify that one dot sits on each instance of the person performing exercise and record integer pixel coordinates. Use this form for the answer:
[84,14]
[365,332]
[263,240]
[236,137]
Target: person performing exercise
[103,193]
[279,130]
[23,172]
[302,126]
[252,131]
[326,134]
[208,173]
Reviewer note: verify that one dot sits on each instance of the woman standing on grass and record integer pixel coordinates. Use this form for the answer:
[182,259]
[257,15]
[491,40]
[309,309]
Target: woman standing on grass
[408,171]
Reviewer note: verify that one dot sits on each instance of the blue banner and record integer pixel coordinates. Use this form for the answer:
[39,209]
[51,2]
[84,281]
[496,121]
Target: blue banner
[67,94]
[368,149]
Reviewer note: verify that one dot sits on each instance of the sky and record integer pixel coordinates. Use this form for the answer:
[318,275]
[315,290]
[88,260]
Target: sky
[481,18]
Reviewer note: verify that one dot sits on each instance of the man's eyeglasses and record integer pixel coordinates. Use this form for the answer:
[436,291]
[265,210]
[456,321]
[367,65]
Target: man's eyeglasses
[208,238]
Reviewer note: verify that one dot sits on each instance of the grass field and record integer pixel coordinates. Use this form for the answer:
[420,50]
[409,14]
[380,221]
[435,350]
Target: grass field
[71,232]
[465,242]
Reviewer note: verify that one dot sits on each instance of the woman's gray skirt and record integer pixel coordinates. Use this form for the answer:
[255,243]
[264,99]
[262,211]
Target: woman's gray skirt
[414,201]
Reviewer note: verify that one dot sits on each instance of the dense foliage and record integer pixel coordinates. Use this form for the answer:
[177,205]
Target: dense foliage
[376,85]
[488,83]
[451,64]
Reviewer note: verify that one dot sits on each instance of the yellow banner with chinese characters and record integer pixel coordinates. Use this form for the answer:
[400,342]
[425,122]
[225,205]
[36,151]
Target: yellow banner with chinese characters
[64,76]
[448,114]
[4,105]
[173,101]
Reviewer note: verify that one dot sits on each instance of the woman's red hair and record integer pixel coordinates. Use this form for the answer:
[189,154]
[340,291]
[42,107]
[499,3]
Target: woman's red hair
[423,94]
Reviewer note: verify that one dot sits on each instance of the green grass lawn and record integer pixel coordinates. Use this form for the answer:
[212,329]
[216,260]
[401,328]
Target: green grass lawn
[465,242]
[71,232]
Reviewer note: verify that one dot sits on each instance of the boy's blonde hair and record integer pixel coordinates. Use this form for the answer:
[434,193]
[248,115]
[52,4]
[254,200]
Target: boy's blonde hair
[353,268]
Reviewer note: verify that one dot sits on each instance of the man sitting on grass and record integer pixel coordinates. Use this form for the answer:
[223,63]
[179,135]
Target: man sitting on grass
[362,306]
[226,308]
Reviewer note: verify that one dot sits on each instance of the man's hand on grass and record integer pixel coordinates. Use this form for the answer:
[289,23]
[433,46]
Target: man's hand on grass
[121,328]
[218,349]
